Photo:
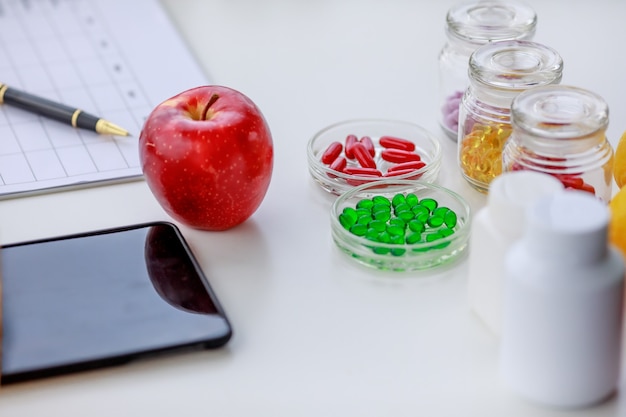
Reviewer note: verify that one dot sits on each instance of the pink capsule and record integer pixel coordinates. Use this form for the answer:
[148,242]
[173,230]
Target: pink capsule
[363,156]
[369,145]
[361,171]
[414,165]
[350,141]
[332,152]
[396,143]
[338,165]
[399,155]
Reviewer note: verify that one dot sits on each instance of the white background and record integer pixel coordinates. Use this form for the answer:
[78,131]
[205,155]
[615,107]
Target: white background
[315,333]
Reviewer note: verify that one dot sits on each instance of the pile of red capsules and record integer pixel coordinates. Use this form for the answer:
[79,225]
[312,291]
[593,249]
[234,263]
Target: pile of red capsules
[359,157]
[570,181]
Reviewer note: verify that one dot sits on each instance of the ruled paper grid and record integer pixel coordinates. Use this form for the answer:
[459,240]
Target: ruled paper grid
[65,50]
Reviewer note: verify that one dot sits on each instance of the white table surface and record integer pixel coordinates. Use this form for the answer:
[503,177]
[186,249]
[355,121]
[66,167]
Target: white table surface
[315,334]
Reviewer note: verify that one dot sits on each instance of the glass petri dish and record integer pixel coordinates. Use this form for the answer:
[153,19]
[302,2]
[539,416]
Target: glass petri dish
[440,241]
[422,142]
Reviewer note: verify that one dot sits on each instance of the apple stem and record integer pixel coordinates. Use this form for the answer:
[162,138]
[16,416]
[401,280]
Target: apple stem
[212,100]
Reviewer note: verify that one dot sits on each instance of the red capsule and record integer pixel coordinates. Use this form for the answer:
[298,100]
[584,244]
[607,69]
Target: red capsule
[399,155]
[363,156]
[577,183]
[355,182]
[363,171]
[332,152]
[350,141]
[339,165]
[396,143]
[412,165]
[369,145]
[571,181]
[589,188]
[399,172]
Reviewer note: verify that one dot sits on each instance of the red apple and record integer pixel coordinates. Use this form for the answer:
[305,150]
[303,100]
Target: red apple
[207,156]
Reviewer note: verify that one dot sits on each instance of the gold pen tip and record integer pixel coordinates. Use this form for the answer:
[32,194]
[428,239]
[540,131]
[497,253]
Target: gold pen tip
[105,127]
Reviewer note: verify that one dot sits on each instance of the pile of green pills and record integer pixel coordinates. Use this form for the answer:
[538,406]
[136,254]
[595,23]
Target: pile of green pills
[402,220]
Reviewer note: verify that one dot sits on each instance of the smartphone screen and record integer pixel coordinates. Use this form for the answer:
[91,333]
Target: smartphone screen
[97,299]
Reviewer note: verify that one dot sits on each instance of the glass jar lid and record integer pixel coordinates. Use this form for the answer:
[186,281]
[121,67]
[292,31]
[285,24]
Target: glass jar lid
[484,21]
[560,111]
[515,65]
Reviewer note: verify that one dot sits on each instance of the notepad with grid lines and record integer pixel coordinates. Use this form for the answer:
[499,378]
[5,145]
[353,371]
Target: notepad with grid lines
[116,59]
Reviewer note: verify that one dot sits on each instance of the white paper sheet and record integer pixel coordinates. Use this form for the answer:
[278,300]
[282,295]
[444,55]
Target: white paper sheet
[116,59]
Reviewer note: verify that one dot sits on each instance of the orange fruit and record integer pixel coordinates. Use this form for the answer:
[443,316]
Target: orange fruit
[617,225]
[619,164]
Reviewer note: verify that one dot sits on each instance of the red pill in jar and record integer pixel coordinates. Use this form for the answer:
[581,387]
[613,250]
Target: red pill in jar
[577,183]
[399,155]
[589,188]
[350,141]
[570,181]
[363,156]
[339,165]
[412,165]
[332,152]
[369,145]
[360,171]
[396,143]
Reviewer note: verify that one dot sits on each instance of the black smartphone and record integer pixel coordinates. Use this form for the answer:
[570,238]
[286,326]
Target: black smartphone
[103,298]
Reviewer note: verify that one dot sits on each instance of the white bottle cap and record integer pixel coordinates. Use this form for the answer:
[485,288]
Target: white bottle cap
[571,226]
[511,193]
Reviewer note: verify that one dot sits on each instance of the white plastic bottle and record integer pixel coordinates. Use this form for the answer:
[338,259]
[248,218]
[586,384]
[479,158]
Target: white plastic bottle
[562,312]
[494,229]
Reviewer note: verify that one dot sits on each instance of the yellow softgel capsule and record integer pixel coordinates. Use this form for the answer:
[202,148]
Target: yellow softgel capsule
[481,152]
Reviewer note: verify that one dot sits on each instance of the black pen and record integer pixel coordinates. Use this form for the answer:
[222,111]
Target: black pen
[58,111]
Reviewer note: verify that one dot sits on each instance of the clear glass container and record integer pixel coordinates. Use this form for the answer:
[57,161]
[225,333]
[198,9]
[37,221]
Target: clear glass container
[499,71]
[469,26]
[339,180]
[435,244]
[561,130]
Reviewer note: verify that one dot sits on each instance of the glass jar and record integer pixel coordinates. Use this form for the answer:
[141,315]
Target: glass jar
[499,71]
[469,26]
[561,130]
